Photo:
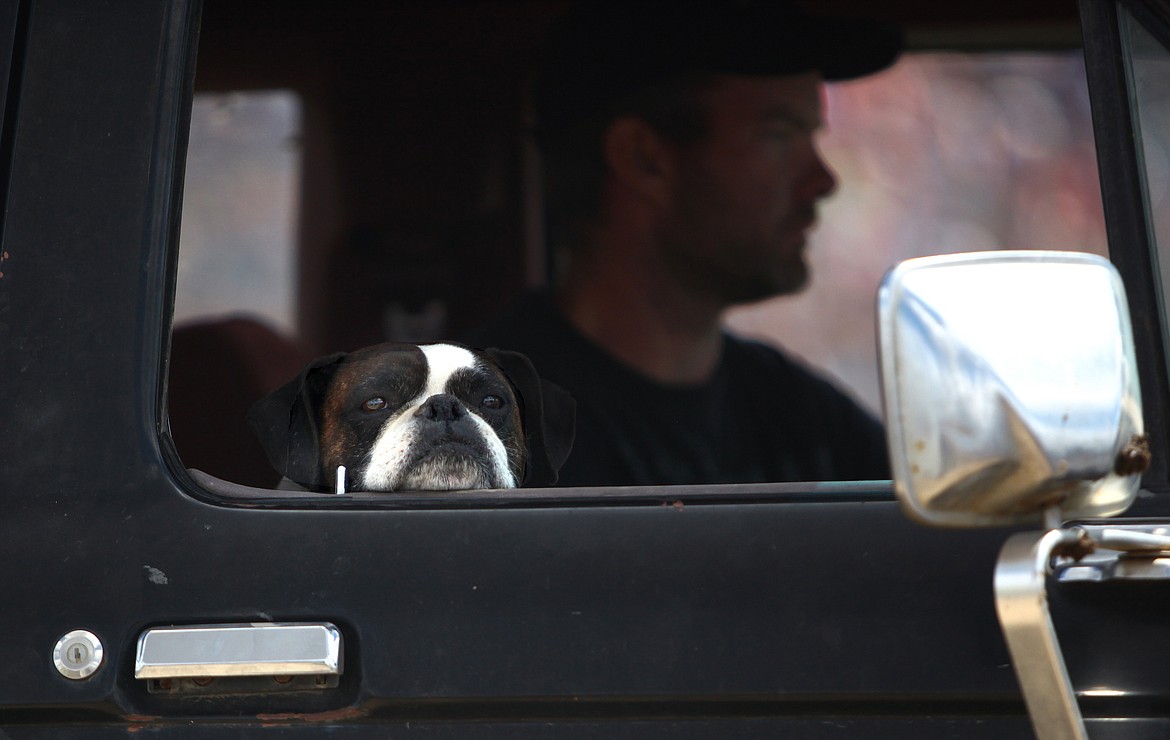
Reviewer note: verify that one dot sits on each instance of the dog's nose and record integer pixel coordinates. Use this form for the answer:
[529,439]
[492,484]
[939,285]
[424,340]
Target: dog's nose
[441,407]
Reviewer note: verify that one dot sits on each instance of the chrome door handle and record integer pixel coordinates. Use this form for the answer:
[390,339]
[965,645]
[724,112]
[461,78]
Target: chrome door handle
[258,649]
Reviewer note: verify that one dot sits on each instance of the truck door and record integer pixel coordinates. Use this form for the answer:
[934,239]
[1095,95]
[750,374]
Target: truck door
[141,596]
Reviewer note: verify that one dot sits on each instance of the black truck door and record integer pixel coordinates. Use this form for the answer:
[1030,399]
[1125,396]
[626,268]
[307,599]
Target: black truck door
[811,610]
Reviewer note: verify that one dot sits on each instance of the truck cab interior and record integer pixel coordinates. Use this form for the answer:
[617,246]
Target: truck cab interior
[363,172]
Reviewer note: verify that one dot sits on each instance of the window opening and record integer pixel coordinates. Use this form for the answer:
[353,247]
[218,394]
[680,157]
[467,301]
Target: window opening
[943,153]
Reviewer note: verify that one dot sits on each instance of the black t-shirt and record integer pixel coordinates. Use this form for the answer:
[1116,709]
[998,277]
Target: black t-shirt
[761,417]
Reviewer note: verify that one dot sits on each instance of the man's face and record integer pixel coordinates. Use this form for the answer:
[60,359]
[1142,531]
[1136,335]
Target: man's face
[744,197]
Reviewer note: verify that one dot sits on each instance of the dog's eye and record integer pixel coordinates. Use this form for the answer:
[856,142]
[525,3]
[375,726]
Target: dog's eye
[377,403]
[492,402]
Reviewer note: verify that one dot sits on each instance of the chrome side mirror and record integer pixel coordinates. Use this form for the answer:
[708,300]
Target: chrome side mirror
[1010,388]
[1011,396]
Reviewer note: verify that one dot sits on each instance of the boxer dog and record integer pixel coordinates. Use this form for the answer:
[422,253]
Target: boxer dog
[406,417]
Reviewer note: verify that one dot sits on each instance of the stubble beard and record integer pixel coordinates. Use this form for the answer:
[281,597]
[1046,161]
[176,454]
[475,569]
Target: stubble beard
[730,284]
[709,260]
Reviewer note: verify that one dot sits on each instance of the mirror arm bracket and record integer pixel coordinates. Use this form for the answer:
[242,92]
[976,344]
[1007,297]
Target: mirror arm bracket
[1021,601]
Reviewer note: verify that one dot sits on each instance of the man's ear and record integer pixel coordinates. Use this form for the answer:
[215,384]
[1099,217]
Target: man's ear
[287,422]
[639,158]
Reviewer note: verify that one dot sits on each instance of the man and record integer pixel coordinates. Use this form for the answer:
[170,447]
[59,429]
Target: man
[683,179]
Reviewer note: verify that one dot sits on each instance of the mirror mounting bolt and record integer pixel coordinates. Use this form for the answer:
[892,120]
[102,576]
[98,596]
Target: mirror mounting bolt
[1134,458]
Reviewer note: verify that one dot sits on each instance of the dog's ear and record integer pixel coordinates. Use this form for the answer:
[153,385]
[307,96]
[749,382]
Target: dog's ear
[287,421]
[549,415]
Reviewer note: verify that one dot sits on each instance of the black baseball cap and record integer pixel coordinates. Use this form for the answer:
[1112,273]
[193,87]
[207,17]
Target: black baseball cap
[602,51]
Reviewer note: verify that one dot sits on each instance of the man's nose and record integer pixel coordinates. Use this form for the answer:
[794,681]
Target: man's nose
[820,180]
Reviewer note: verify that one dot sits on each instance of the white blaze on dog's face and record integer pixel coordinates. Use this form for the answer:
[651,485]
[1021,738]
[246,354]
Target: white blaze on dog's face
[430,417]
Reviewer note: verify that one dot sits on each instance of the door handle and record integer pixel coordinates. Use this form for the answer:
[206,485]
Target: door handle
[231,650]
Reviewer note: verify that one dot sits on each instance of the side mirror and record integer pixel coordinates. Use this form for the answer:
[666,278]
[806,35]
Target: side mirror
[1010,388]
[1011,396]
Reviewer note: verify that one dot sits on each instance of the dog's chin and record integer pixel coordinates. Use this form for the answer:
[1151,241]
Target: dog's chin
[452,466]
[438,462]
[448,473]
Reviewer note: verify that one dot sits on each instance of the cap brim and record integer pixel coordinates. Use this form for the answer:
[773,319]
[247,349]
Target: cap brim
[840,49]
[847,49]
[604,51]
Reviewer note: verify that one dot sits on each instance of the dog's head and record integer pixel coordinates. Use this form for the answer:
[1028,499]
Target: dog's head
[417,417]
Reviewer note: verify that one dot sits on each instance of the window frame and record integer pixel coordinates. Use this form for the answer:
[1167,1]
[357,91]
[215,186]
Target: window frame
[1126,212]
[13,32]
